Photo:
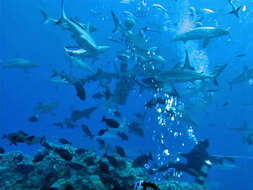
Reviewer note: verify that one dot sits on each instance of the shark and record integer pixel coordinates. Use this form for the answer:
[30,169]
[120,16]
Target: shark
[245,76]
[242,129]
[187,74]
[20,63]
[82,35]
[137,40]
[201,33]
[79,63]
[45,107]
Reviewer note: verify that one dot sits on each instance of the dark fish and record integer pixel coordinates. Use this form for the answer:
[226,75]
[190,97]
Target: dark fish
[80,92]
[135,128]
[1,150]
[90,160]
[248,139]
[123,136]
[139,115]
[18,158]
[120,151]
[87,131]
[75,165]
[102,131]
[104,167]
[33,119]
[101,143]
[24,168]
[77,115]
[64,154]
[113,161]
[110,122]
[65,141]
[22,137]
[59,124]
[226,104]
[97,95]
[240,55]
[141,160]
[39,156]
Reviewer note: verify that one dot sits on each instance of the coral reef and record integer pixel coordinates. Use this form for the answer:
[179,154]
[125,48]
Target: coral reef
[65,167]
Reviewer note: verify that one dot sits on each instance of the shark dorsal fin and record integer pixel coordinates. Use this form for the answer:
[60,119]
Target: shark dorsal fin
[187,62]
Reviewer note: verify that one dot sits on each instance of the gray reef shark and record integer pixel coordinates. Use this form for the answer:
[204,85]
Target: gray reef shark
[201,33]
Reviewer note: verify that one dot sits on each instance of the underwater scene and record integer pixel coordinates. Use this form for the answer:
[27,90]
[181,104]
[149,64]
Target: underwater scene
[126,95]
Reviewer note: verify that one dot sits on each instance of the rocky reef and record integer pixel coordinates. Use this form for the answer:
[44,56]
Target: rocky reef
[67,168]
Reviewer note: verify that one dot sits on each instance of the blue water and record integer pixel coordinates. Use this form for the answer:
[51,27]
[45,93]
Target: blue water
[23,35]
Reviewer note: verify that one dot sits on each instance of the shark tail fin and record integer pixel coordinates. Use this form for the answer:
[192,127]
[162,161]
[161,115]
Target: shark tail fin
[217,72]
[116,22]
[46,19]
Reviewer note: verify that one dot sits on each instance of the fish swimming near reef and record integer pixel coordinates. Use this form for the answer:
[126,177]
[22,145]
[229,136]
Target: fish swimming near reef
[22,137]
[201,33]
[79,114]
[20,63]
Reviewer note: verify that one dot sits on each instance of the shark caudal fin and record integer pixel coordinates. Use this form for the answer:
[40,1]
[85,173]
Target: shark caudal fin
[236,11]
[46,18]
[116,22]
[217,72]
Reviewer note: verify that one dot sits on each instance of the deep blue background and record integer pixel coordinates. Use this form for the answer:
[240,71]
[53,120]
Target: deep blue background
[23,35]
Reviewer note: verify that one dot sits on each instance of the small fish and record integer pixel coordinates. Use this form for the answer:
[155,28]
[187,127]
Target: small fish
[120,151]
[75,165]
[39,156]
[102,131]
[87,131]
[101,143]
[141,160]
[135,128]
[112,123]
[64,154]
[59,124]
[103,167]
[248,139]
[22,137]
[1,150]
[123,136]
[33,119]
[139,115]
[113,161]
[240,55]
[97,95]
[64,141]
[226,104]
[77,115]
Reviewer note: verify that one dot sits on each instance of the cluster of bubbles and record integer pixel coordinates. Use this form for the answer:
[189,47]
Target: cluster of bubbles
[169,117]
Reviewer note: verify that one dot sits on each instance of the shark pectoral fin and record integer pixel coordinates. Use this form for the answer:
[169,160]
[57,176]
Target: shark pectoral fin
[205,42]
